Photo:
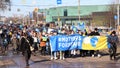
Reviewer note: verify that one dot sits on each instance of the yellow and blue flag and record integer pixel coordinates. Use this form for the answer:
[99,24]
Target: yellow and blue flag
[94,43]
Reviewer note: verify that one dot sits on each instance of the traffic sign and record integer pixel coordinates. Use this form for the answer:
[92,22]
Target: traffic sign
[59,1]
[115,17]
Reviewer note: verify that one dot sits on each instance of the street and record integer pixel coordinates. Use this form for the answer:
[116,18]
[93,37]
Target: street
[38,61]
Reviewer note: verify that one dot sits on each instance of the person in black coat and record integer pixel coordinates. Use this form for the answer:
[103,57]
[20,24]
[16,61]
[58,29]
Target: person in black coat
[30,39]
[25,48]
[113,40]
[94,33]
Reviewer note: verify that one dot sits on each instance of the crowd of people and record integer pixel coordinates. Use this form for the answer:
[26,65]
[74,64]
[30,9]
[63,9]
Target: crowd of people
[31,41]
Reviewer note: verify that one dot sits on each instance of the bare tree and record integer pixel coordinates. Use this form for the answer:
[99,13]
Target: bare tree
[4,4]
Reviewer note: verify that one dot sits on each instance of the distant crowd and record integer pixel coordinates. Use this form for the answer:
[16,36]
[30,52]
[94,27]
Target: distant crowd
[33,40]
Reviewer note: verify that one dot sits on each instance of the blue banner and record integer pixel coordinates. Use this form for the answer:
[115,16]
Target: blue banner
[63,42]
[71,42]
[53,42]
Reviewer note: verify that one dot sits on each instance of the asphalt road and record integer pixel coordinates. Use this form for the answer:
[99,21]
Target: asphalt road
[17,61]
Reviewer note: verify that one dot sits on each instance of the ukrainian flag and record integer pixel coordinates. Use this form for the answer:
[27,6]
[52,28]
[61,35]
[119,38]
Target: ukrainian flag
[94,43]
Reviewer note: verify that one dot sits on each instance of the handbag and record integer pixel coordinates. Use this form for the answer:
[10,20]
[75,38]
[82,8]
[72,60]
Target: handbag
[31,48]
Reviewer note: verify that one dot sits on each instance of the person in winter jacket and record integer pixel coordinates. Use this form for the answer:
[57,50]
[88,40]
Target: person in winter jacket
[113,40]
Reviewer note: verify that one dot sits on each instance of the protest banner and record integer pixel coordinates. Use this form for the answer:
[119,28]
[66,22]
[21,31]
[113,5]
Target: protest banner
[71,42]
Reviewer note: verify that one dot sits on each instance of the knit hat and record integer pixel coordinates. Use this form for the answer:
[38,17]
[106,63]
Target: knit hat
[113,32]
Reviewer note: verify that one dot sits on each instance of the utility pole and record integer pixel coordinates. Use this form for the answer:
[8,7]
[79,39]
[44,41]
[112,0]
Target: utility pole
[118,13]
[79,9]
[58,3]
[117,21]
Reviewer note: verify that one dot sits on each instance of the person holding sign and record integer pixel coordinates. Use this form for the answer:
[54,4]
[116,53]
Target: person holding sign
[53,53]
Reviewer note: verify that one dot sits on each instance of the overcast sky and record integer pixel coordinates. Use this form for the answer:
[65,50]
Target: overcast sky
[27,6]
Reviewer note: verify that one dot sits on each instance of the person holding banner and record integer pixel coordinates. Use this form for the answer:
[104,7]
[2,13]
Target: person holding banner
[73,52]
[62,53]
[82,52]
[113,40]
[94,33]
[53,53]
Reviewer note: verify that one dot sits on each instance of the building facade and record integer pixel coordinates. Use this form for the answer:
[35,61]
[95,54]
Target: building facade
[91,15]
